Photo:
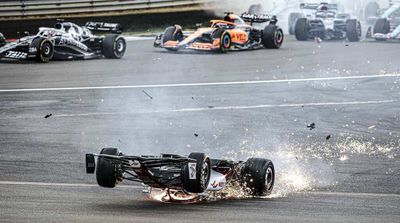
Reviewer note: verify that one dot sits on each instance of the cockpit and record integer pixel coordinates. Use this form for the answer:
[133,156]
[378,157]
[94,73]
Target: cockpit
[77,32]
[234,19]
[323,11]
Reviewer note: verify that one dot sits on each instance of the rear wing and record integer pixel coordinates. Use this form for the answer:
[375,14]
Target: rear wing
[104,27]
[314,6]
[254,18]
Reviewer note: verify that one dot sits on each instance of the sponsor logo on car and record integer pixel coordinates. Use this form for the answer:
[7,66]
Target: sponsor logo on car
[16,54]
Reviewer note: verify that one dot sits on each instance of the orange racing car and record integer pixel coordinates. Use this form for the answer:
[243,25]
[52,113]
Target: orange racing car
[232,33]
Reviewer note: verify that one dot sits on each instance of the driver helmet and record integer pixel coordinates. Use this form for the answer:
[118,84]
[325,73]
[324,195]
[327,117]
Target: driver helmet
[232,18]
[323,8]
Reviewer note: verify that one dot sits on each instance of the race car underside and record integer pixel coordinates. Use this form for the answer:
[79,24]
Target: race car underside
[157,172]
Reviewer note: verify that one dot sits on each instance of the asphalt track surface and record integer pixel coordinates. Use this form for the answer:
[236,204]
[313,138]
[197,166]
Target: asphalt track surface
[235,105]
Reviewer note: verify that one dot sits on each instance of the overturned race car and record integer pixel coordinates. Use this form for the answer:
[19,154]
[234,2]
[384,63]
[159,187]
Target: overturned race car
[66,41]
[192,177]
[232,33]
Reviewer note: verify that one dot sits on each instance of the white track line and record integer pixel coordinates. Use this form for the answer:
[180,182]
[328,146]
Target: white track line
[203,84]
[354,194]
[45,184]
[201,109]
[228,108]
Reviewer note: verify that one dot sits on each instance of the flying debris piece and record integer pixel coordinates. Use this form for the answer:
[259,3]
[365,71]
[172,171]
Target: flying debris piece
[311,126]
[195,134]
[48,115]
[147,94]
[317,40]
[328,137]
[210,106]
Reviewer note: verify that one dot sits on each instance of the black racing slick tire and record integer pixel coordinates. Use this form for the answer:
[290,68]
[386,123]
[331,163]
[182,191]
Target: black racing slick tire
[172,33]
[272,37]
[225,40]
[44,49]
[353,30]
[382,25]
[293,17]
[301,29]
[114,46]
[259,176]
[107,173]
[196,175]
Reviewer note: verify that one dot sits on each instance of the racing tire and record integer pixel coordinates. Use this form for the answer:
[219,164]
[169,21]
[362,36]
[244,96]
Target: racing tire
[196,176]
[107,173]
[114,46]
[371,10]
[173,33]
[353,30]
[293,17]
[44,49]
[259,176]
[225,40]
[272,37]
[301,29]
[382,25]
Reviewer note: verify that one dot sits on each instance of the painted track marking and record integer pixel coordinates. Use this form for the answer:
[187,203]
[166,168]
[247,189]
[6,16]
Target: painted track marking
[202,83]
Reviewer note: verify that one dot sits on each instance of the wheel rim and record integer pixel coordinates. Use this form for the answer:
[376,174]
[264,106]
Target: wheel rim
[269,178]
[204,174]
[278,37]
[120,46]
[226,41]
[46,50]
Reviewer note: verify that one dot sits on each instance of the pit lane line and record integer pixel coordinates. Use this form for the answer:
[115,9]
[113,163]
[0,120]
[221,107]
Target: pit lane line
[204,83]
[46,184]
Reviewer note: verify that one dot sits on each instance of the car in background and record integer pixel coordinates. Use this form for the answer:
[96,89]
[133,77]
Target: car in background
[66,41]
[228,34]
[387,25]
[327,24]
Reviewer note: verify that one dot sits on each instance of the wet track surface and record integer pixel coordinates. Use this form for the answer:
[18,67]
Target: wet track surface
[241,104]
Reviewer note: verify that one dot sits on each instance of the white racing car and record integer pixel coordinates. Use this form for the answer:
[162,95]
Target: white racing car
[387,26]
[327,24]
[182,177]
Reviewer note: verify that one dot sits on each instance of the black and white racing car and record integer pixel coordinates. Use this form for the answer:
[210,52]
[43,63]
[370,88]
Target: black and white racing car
[183,177]
[66,41]
[327,24]
[387,25]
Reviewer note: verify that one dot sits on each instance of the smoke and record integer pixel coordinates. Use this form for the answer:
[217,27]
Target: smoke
[282,8]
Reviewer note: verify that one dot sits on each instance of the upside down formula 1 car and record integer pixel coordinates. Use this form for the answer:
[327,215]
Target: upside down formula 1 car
[182,177]
[66,41]
[232,33]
